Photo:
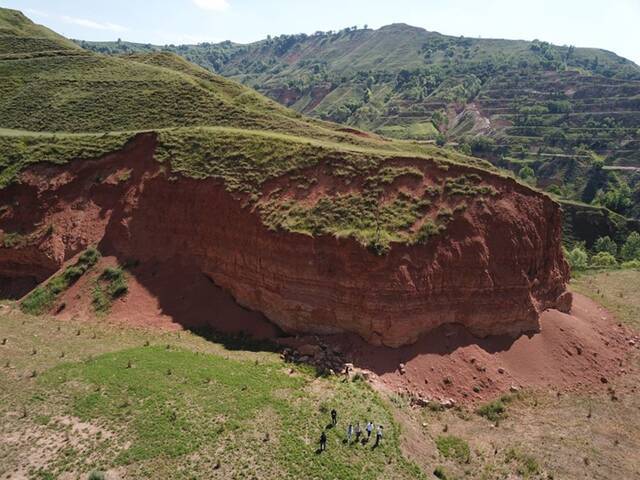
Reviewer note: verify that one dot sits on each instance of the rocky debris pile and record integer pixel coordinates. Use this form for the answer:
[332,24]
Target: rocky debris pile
[326,359]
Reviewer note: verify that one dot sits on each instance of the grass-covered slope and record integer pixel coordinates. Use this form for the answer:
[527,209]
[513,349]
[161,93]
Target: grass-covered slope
[81,398]
[20,36]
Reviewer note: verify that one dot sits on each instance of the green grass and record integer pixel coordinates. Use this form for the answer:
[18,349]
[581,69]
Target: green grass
[13,240]
[109,286]
[454,448]
[527,466]
[399,80]
[210,127]
[42,298]
[17,152]
[616,290]
[154,404]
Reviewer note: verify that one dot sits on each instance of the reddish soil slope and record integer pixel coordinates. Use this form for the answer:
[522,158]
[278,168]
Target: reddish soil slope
[578,351]
[497,267]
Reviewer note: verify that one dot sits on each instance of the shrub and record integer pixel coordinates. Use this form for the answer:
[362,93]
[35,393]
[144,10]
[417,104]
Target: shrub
[577,258]
[493,411]
[96,475]
[605,244]
[631,248]
[527,174]
[454,447]
[632,264]
[604,259]
[110,285]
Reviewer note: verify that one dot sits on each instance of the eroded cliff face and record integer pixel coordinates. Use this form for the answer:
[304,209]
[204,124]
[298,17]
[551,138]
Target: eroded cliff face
[495,269]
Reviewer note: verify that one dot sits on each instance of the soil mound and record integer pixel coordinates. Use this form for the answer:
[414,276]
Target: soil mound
[579,351]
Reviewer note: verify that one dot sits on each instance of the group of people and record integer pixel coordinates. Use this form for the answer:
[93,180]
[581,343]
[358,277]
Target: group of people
[353,432]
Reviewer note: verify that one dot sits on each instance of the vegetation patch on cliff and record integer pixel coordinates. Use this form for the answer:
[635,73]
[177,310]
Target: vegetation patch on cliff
[109,286]
[18,150]
[42,298]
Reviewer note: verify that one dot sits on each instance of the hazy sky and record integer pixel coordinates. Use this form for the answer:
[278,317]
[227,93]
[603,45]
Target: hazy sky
[613,24]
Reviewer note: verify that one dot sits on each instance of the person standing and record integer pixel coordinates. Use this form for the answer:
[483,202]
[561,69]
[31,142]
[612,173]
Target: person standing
[334,417]
[378,436]
[358,432]
[349,432]
[323,441]
[369,430]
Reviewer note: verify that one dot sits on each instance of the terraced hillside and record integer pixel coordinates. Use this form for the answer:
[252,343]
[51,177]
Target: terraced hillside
[550,114]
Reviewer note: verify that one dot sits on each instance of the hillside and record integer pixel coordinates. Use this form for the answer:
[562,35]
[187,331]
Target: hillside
[137,146]
[193,276]
[550,114]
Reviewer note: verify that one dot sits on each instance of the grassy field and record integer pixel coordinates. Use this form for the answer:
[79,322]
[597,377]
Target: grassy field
[78,398]
[616,290]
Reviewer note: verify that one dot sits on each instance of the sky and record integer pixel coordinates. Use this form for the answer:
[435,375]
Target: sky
[613,25]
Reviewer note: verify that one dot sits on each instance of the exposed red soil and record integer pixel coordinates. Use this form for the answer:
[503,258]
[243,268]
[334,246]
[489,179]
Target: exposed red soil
[572,352]
[167,296]
[497,267]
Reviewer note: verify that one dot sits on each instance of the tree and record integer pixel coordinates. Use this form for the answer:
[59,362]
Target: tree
[605,244]
[577,258]
[527,174]
[617,199]
[441,140]
[631,248]
[604,259]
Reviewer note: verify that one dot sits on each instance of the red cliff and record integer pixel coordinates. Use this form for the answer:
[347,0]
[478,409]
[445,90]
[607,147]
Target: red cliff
[497,266]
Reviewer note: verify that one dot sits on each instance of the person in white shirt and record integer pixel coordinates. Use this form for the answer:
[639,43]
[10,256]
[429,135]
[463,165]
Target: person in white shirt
[369,430]
[378,435]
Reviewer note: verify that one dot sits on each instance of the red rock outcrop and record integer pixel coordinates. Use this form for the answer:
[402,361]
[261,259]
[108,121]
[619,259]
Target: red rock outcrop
[497,267]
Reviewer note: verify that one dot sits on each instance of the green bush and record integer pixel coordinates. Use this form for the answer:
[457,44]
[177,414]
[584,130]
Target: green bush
[527,174]
[493,411]
[631,248]
[110,285]
[604,259]
[96,475]
[577,258]
[454,447]
[605,244]
[631,264]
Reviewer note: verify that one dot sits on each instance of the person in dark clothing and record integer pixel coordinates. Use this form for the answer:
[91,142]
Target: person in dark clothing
[334,416]
[323,441]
